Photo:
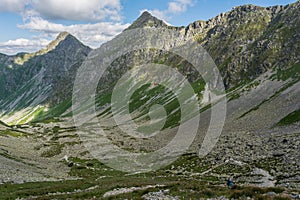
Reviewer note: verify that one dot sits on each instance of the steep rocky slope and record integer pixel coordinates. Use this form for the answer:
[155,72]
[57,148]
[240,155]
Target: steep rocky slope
[249,40]
[31,82]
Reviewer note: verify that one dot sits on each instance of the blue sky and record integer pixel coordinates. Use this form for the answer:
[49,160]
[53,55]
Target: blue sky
[29,25]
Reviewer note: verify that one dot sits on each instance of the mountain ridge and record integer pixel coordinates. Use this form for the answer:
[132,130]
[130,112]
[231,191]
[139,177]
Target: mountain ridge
[231,38]
[27,76]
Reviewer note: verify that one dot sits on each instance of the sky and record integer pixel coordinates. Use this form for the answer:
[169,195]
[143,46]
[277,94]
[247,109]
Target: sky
[29,25]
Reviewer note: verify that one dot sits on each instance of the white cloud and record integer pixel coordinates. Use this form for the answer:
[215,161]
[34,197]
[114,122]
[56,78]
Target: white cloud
[174,7]
[22,45]
[78,10]
[13,5]
[38,16]
[90,34]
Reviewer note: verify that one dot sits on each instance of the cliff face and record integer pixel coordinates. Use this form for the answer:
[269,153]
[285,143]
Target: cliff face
[249,40]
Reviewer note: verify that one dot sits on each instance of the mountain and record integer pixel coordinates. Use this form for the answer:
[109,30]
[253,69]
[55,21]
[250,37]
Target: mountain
[256,51]
[249,40]
[30,81]
[147,20]
[244,43]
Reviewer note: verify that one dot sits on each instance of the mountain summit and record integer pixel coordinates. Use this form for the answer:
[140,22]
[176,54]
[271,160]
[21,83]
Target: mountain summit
[147,20]
[43,77]
[61,37]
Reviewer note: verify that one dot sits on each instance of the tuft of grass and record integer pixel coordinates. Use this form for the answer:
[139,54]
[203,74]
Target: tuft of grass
[12,133]
[290,118]
[53,151]
[254,192]
[285,74]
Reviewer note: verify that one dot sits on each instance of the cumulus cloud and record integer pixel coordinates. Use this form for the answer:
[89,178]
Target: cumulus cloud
[102,17]
[22,45]
[78,10]
[90,34]
[174,7]
[13,5]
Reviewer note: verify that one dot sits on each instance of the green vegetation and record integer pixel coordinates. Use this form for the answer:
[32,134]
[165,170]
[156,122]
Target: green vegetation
[268,163]
[91,168]
[200,36]
[96,179]
[225,63]
[55,148]
[294,73]
[254,192]
[230,168]
[12,133]
[284,74]
[89,189]
[146,96]
[31,114]
[290,118]
[53,112]
[52,151]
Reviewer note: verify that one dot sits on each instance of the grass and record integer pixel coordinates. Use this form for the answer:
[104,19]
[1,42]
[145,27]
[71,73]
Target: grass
[290,118]
[284,74]
[253,192]
[232,168]
[97,178]
[85,189]
[190,163]
[53,112]
[12,133]
[54,146]
[54,150]
[91,168]
[269,163]
[147,95]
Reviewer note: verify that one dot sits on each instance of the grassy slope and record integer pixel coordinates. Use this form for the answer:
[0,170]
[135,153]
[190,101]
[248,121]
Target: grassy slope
[91,186]
[290,118]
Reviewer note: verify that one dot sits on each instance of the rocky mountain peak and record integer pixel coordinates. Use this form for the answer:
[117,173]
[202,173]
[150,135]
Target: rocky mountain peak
[248,8]
[61,37]
[147,20]
[146,14]
[63,40]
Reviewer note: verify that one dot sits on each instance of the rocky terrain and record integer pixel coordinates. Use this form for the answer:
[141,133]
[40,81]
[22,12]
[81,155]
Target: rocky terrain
[32,83]
[43,153]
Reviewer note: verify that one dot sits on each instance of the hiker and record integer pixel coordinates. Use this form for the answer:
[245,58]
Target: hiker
[230,182]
